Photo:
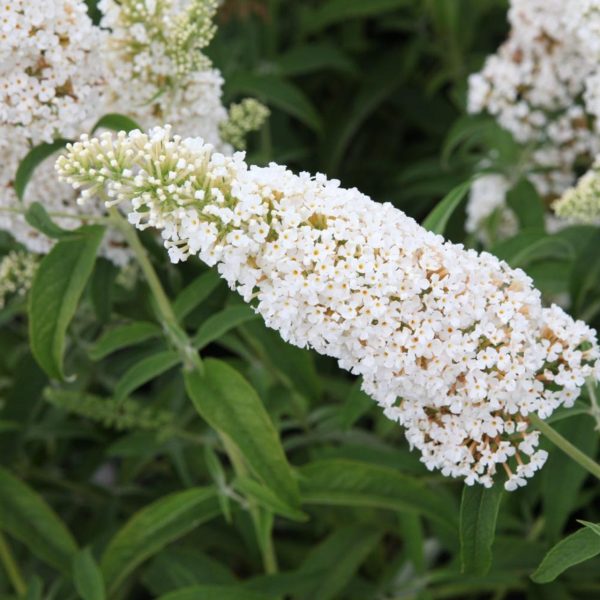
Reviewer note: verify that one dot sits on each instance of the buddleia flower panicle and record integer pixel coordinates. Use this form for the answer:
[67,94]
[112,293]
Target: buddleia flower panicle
[17,270]
[453,345]
[581,203]
[247,116]
[50,78]
[157,68]
[52,85]
[543,86]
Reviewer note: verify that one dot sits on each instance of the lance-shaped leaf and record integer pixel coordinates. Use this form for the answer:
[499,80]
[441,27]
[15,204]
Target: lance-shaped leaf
[229,404]
[152,528]
[57,287]
[27,517]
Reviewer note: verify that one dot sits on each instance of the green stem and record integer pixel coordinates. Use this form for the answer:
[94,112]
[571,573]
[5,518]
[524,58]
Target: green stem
[60,215]
[176,334]
[192,360]
[265,543]
[594,405]
[11,567]
[569,449]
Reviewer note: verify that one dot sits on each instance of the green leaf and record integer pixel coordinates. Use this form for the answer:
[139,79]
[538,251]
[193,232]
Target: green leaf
[413,538]
[39,219]
[562,478]
[279,93]
[123,336]
[312,57]
[595,527]
[116,122]
[229,404]
[336,11]
[145,370]
[57,287]
[87,576]
[572,550]
[35,589]
[220,323]
[338,558]
[532,246]
[356,405]
[27,517]
[526,203]
[466,128]
[152,528]
[378,84]
[195,293]
[31,161]
[340,482]
[438,218]
[266,498]
[102,287]
[478,515]
[213,592]
[176,568]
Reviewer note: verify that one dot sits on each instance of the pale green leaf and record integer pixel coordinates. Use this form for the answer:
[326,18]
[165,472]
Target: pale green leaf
[195,293]
[57,287]
[229,404]
[87,576]
[152,528]
[220,323]
[144,371]
[116,122]
[438,218]
[340,482]
[31,161]
[572,550]
[123,336]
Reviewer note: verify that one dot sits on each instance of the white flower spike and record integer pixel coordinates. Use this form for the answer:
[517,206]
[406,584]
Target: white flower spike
[453,345]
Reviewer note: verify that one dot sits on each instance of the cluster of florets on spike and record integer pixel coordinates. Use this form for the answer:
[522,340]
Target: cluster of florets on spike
[543,86]
[454,345]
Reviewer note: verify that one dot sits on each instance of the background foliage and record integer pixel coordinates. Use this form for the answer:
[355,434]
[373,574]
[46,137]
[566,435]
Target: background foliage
[115,485]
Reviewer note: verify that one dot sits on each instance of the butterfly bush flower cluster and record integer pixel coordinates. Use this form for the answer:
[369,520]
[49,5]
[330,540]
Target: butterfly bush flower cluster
[453,345]
[51,85]
[59,74]
[158,70]
[50,78]
[17,270]
[543,86]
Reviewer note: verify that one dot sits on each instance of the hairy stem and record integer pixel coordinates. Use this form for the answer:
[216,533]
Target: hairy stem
[192,360]
[176,334]
[563,444]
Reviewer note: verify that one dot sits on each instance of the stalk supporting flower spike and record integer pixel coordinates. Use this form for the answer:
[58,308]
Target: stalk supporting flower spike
[453,345]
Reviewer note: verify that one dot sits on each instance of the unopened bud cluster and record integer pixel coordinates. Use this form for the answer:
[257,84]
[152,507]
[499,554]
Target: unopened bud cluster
[454,345]
[116,414]
[244,117]
[582,202]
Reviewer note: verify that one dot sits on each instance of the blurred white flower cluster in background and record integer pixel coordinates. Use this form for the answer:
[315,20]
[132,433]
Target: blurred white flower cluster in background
[453,345]
[17,270]
[59,73]
[543,86]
